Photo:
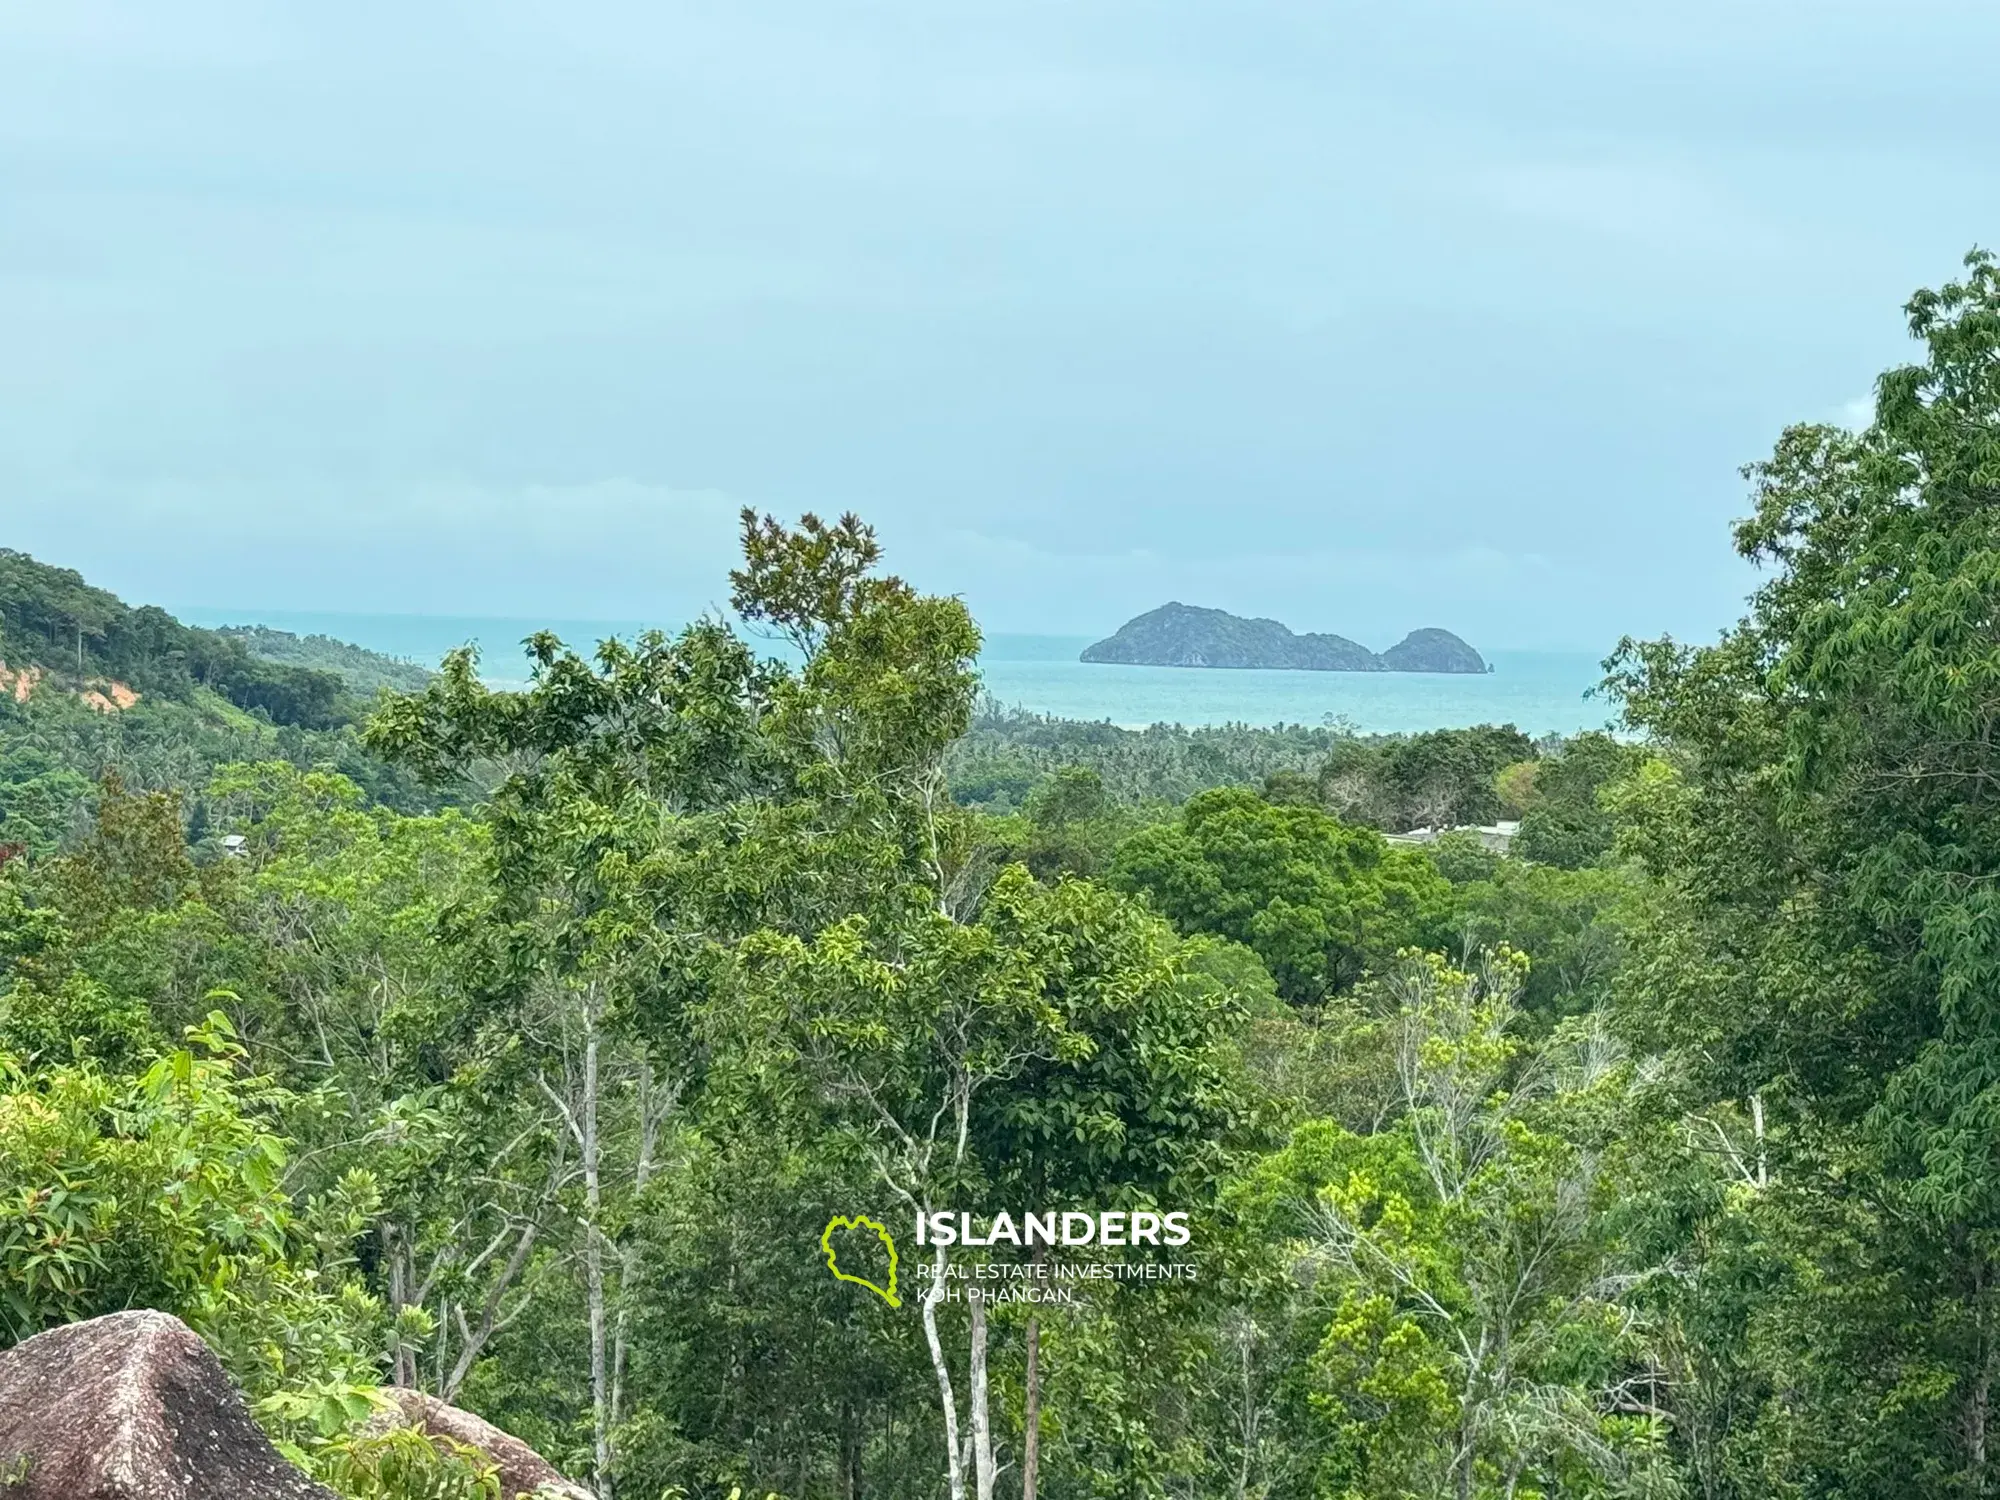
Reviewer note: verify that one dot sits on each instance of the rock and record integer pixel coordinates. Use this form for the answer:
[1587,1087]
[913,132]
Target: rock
[20,684]
[133,1406]
[523,1471]
[1432,650]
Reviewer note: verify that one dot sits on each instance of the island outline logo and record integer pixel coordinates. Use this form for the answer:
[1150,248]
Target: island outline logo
[860,1221]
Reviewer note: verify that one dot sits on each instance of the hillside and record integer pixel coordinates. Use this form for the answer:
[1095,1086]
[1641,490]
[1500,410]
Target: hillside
[89,641]
[92,689]
[364,671]
[1186,635]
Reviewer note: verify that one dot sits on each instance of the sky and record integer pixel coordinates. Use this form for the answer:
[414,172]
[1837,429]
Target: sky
[1445,312]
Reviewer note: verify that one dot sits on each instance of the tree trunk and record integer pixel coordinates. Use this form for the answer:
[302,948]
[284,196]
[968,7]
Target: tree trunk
[1978,1413]
[1757,1125]
[1031,1412]
[976,1400]
[593,1259]
[850,1452]
[402,1369]
[1031,1393]
[473,1337]
[954,1460]
[1248,1425]
[1977,1416]
[628,1261]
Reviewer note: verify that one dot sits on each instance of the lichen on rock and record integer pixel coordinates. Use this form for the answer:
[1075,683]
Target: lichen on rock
[132,1406]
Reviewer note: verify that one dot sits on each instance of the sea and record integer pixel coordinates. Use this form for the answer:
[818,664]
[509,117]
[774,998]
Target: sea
[1539,692]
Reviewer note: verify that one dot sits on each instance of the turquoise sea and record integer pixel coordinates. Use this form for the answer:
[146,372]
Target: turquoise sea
[1537,691]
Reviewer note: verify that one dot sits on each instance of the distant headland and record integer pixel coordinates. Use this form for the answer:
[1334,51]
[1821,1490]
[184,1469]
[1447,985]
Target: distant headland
[1184,635]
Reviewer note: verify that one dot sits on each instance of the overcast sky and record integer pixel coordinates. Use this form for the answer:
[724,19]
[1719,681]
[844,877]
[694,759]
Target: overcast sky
[1457,312]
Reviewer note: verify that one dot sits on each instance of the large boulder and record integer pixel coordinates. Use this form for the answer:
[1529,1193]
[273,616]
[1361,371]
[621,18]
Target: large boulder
[523,1471]
[133,1406]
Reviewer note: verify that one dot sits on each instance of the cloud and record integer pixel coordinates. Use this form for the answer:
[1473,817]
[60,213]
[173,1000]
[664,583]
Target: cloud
[609,549]
[1359,317]
[1371,593]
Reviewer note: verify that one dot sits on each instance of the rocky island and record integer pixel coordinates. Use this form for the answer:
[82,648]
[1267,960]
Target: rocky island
[1432,650]
[1185,635]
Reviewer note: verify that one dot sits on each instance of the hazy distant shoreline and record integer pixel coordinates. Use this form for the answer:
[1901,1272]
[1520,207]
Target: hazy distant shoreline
[1541,692]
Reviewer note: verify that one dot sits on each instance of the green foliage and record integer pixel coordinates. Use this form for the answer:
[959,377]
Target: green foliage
[1006,753]
[1569,921]
[1069,826]
[1681,1180]
[325,1429]
[50,618]
[40,800]
[1818,960]
[205,698]
[1145,1099]
[1564,822]
[1463,858]
[1446,778]
[365,672]
[76,1019]
[159,744]
[760,1363]
[915,1019]
[164,1189]
[536,1106]
[1317,900]
[47,610]
[1441,779]
[1470,1318]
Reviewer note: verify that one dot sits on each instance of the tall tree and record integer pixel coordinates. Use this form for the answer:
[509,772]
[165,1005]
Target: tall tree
[1826,948]
[1319,901]
[1479,1338]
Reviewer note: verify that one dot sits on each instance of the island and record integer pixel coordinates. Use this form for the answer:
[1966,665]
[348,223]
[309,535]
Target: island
[1432,650]
[1186,635]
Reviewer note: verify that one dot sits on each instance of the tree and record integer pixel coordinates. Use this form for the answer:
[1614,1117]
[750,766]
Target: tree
[1068,826]
[1564,824]
[903,1031]
[1479,1336]
[354,995]
[1150,1107]
[1822,955]
[1567,921]
[753,1364]
[40,800]
[1317,900]
[163,1189]
[1447,777]
[682,798]
[583,945]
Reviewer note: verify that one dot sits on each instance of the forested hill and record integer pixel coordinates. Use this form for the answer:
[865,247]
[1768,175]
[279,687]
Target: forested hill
[89,639]
[363,670]
[93,690]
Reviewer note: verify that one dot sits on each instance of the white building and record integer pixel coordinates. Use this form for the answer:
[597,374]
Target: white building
[1499,837]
